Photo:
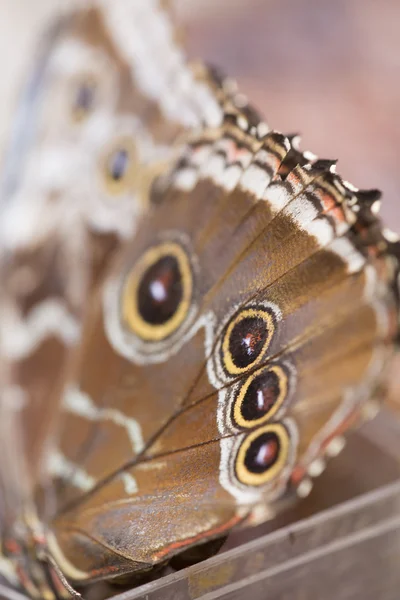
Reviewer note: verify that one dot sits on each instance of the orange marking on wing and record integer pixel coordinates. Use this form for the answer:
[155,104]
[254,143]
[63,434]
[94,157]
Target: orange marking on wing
[293,179]
[234,152]
[196,538]
[331,207]
[104,571]
[300,470]
[12,546]
[297,474]
[343,427]
[338,214]
[327,201]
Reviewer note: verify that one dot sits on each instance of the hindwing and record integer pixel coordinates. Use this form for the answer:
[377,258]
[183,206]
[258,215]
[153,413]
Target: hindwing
[246,326]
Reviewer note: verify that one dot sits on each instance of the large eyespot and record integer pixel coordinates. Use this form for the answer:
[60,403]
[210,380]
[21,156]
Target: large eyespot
[262,455]
[246,339]
[84,98]
[260,397]
[120,167]
[158,292]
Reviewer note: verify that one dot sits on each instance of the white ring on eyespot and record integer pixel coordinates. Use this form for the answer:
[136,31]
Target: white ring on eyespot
[215,370]
[227,397]
[138,351]
[244,494]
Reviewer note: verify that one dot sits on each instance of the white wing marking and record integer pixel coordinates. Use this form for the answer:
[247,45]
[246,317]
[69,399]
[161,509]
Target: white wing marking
[78,403]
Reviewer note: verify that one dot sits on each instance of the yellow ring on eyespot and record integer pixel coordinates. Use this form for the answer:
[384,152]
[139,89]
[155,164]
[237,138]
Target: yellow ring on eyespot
[228,360]
[130,177]
[240,421]
[130,301]
[257,479]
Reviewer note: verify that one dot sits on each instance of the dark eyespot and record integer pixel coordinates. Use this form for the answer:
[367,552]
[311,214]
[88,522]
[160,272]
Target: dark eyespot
[246,339]
[260,396]
[120,166]
[84,100]
[158,292]
[262,455]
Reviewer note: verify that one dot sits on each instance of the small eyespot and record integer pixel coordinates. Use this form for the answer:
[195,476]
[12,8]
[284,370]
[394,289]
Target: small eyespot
[246,339]
[84,98]
[260,397]
[120,167]
[262,455]
[157,294]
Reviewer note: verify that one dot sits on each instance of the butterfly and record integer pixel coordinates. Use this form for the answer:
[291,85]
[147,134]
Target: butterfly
[193,311]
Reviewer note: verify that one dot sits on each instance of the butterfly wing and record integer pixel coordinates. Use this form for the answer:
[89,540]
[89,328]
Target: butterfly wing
[226,344]
[246,326]
[108,106]
[106,109]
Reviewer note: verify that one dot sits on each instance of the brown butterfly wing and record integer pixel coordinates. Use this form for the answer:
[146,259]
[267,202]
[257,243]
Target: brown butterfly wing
[243,329]
[96,124]
[100,125]
[270,278]
[105,380]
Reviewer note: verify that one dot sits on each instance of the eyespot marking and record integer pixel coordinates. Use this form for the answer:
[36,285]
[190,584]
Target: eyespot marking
[260,397]
[262,455]
[157,294]
[246,339]
[84,98]
[119,167]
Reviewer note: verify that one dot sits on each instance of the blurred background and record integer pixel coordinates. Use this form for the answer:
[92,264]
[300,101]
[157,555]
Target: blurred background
[327,69]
